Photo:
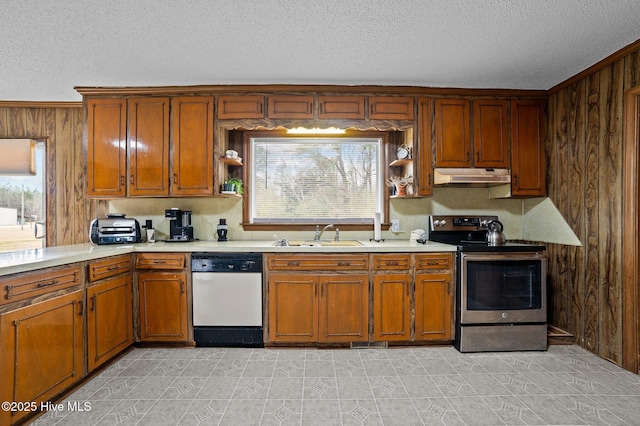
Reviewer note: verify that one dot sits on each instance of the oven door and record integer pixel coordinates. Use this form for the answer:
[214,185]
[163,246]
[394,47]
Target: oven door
[503,287]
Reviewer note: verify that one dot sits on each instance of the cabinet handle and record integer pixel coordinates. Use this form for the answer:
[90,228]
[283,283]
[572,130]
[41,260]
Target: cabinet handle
[47,284]
[121,179]
[392,263]
[515,180]
[159,262]
[293,263]
[81,307]
[93,303]
[181,287]
[131,179]
[175,179]
[344,263]
[113,267]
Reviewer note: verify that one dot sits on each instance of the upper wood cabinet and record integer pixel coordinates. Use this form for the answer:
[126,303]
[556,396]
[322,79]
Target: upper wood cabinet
[107,147]
[490,134]
[453,127]
[423,152]
[390,108]
[168,149]
[290,106]
[454,130]
[341,107]
[527,148]
[244,106]
[192,152]
[148,146]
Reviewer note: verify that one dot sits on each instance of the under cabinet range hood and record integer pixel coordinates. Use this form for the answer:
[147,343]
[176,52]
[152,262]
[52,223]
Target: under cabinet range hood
[471,177]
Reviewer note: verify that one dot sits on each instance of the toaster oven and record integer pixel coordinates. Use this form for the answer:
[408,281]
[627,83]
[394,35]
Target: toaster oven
[115,229]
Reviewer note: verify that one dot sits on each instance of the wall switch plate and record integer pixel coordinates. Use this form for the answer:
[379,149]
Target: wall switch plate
[395,225]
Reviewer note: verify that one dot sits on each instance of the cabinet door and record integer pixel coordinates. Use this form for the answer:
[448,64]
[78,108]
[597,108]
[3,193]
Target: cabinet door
[527,148]
[490,134]
[192,153]
[109,319]
[293,308]
[391,307]
[390,108]
[42,351]
[163,306]
[344,308]
[294,106]
[453,126]
[107,147]
[148,146]
[230,107]
[433,306]
[424,150]
[341,107]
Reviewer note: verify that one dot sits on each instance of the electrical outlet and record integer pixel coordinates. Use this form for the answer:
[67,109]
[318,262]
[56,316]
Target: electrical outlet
[395,225]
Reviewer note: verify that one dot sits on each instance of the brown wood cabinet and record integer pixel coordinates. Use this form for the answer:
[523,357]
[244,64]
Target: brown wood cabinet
[148,146]
[391,108]
[433,296]
[290,106]
[490,134]
[165,157]
[341,107]
[31,284]
[162,297]
[107,147]
[42,351]
[453,137]
[109,309]
[240,106]
[109,319]
[315,302]
[527,148]
[423,151]
[392,297]
[192,150]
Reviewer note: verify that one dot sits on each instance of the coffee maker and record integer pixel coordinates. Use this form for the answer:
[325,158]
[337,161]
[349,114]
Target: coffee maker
[180,228]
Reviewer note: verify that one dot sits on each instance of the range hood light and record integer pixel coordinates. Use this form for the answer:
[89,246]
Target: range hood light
[316,131]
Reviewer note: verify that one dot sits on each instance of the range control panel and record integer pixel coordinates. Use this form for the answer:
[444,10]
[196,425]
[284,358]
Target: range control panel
[459,223]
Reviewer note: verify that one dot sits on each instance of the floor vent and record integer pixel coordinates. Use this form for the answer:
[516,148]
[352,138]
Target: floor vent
[369,345]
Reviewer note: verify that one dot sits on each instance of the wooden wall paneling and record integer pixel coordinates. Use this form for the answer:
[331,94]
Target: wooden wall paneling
[81,202]
[4,128]
[610,212]
[560,155]
[64,178]
[575,205]
[52,184]
[17,122]
[631,229]
[591,197]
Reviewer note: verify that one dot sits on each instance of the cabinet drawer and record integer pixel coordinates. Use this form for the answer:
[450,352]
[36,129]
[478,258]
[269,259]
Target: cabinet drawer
[240,107]
[109,267]
[33,284]
[389,262]
[318,262]
[160,261]
[433,261]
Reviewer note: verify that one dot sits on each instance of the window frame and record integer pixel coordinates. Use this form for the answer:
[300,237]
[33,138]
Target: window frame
[273,226]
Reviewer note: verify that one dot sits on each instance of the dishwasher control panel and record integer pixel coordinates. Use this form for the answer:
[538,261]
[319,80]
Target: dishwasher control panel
[226,262]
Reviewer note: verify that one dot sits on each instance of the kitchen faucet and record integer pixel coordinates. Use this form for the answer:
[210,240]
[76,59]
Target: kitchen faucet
[319,232]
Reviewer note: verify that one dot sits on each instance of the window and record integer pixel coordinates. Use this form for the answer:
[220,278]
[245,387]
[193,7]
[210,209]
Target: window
[296,180]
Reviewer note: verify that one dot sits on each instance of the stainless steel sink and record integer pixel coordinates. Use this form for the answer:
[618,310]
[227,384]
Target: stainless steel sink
[321,243]
[344,243]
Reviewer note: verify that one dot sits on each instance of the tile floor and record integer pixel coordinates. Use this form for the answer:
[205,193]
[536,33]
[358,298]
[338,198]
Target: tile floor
[398,386]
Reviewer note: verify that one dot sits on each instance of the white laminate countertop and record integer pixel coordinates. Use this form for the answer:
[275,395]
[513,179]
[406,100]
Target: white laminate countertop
[28,260]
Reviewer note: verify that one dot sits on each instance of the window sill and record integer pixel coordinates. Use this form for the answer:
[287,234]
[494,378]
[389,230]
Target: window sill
[309,226]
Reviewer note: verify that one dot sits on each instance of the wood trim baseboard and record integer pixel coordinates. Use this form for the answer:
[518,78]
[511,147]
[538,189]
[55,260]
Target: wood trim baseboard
[39,104]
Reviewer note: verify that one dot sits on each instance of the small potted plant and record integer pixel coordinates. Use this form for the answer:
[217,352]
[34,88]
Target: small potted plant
[232,186]
[399,184]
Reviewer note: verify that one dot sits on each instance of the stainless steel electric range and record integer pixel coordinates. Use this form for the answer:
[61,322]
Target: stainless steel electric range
[501,290]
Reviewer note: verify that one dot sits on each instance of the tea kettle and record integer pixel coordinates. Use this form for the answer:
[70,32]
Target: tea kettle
[495,237]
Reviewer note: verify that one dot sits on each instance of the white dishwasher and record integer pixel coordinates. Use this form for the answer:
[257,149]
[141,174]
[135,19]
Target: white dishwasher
[227,299]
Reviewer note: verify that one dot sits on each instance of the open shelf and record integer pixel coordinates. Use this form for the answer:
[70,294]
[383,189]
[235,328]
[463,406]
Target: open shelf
[231,161]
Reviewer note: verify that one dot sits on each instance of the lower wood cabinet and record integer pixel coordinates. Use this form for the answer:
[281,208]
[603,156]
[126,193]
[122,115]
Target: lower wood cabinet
[324,299]
[42,351]
[109,319]
[392,307]
[433,306]
[163,306]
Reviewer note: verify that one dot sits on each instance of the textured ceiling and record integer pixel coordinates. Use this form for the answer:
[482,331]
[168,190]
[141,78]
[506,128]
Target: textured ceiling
[48,47]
